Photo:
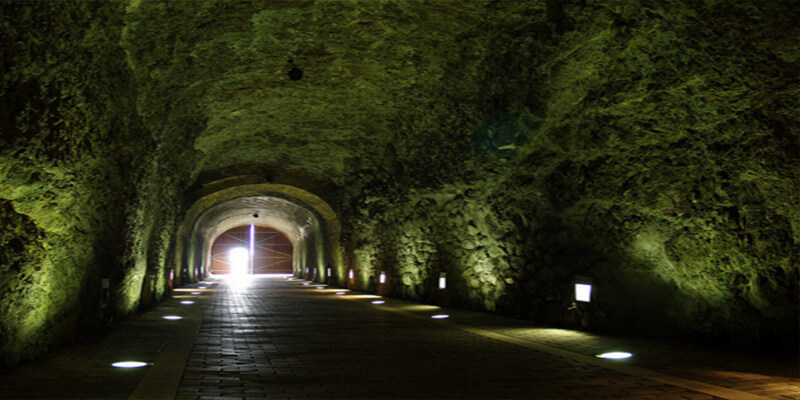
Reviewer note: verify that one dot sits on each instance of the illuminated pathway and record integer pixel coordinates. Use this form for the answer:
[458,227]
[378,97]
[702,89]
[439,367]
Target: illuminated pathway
[281,339]
[284,340]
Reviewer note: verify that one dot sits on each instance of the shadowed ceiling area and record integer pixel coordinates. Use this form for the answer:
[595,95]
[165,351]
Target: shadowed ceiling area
[517,147]
[291,219]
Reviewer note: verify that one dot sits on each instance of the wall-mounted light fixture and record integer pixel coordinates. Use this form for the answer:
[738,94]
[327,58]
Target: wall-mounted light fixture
[583,289]
[442,280]
[382,277]
[350,274]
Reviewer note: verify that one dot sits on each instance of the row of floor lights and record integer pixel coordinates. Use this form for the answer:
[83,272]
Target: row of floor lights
[583,293]
[139,364]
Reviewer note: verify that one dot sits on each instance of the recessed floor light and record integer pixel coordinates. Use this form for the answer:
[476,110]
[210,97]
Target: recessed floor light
[440,316]
[201,287]
[615,355]
[187,302]
[172,317]
[195,293]
[378,302]
[320,287]
[306,283]
[341,293]
[129,364]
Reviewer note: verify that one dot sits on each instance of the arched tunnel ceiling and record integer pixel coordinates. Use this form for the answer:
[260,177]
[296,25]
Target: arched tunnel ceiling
[290,218]
[217,73]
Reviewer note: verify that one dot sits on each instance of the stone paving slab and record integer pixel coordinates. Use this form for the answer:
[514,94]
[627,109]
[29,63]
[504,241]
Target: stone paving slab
[84,371]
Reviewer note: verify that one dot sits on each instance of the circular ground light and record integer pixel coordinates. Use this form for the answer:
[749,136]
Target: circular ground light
[341,293]
[172,317]
[187,302]
[378,302]
[129,364]
[440,316]
[615,355]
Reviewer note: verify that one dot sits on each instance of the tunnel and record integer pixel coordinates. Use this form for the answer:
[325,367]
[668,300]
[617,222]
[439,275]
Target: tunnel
[551,175]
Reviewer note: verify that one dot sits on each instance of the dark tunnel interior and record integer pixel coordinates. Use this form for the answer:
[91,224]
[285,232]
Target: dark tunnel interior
[517,148]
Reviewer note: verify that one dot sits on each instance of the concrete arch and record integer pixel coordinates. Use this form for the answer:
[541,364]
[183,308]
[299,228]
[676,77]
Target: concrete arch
[309,222]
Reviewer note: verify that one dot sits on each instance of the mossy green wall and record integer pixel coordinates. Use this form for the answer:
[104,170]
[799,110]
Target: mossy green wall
[73,177]
[650,146]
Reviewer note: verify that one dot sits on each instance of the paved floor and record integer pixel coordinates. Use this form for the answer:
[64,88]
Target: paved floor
[282,339]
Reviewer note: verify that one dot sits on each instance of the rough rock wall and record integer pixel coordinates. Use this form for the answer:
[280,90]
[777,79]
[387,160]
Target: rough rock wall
[71,161]
[652,146]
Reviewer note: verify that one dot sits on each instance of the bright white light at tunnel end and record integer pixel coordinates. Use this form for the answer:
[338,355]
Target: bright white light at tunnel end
[129,364]
[615,355]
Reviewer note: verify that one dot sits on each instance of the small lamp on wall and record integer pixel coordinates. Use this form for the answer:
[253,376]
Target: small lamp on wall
[583,289]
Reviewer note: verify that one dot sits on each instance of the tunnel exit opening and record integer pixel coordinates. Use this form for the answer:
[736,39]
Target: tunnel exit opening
[251,250]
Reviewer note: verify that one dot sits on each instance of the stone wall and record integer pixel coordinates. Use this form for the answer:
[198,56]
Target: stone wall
[656,152]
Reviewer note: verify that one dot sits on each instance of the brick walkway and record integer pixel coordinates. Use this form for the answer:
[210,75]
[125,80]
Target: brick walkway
[280,339]
[283,340]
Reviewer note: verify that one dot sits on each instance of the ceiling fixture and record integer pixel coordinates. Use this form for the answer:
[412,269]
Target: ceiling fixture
[295,73]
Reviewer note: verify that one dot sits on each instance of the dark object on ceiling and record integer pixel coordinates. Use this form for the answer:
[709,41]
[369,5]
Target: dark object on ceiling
[295,74]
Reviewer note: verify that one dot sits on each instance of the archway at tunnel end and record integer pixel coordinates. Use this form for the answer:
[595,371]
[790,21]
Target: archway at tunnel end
[307,221]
